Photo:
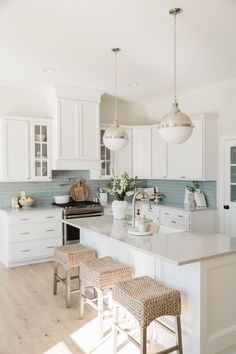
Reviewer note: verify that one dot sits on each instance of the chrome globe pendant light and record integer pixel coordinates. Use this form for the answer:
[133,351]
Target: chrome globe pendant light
[115,137]
[176,127]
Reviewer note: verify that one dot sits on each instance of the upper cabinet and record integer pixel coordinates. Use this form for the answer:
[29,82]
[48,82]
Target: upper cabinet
[40,149]
[159,155]
[107,159]
[123,158]
[142,152]
[78,128]
[76,131]
[196,159]
[148,156]
[25,149]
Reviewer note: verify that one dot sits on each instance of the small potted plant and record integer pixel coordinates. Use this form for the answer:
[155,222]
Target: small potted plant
[189,194]
[119,188]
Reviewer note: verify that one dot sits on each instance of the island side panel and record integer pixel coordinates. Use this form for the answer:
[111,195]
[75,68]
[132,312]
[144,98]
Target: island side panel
[218,311]
[143,263]
[186,279]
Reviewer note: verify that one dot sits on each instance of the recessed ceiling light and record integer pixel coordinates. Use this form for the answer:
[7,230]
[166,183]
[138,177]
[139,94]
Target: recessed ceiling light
[133,84]
[49,70]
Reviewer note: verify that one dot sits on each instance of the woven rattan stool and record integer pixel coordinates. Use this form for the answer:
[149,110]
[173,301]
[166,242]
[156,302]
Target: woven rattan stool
[146,300]
[70,257]
[101,273]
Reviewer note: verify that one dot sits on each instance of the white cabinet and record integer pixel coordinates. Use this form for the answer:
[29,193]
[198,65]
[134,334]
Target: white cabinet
[15,150]
[78,130]
[159,155]
[40,149]
[107,157]
[123,158]
[29,236]
[203,220]
[25,149]
[196,158]
[76,133]
[197,220]
[142,152]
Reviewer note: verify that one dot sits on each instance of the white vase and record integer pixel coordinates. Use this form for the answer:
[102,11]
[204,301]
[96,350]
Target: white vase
[119,209]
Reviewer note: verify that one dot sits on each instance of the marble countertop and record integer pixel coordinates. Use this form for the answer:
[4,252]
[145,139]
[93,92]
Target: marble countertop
[39,208]
[176,246]
[180,206]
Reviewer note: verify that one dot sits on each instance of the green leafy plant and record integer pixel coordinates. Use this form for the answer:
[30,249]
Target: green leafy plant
[120,187]
[193,188]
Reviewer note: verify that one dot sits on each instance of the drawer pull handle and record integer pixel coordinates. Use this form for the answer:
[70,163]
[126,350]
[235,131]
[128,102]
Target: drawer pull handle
[50,246]
[24,219]
[49,230]
[25,250]
[180,216]
[50,217]
[167,213]
[24,233]
[173,222]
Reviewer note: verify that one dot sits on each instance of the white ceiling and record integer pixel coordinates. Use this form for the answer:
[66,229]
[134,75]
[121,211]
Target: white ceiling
[75,38]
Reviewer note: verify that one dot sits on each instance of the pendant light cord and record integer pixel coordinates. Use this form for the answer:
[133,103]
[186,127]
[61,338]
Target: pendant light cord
[116,119]
[175,80]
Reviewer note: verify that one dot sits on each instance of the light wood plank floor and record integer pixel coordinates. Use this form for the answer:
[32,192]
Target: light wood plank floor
[34,321]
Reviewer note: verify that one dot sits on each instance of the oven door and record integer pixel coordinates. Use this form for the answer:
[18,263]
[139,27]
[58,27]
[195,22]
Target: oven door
[70,233]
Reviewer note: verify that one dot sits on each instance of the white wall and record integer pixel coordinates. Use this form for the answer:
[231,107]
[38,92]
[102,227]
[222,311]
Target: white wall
[130,113]
[219,99]
[23,102]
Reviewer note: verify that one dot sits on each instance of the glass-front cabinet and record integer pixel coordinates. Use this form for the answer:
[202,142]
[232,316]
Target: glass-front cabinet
[106,158]
[40,151]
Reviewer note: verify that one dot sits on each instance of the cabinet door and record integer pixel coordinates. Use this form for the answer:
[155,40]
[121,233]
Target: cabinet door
[70,114]
[123,158]
[90,131]
[107,158]
[159,155]
[15,150]
[40,152]
[185,161]
[142,145]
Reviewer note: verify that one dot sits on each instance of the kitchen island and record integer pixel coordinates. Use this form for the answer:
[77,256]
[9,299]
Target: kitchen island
[201,266]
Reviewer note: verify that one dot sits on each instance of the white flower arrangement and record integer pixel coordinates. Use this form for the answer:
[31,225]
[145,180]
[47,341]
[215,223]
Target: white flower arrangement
[123,186]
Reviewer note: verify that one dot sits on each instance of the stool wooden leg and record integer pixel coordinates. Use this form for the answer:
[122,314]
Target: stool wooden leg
[81,298]
[143,340]
[100,312]
[178,334]
[114,329]
[67,288]
[55,278]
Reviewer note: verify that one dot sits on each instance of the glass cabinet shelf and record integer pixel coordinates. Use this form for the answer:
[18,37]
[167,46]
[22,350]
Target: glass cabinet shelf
[40,152]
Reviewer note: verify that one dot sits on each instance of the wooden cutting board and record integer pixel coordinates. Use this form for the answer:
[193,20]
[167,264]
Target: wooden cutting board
[79,191]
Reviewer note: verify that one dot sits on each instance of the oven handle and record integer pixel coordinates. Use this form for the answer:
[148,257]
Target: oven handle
[82,216]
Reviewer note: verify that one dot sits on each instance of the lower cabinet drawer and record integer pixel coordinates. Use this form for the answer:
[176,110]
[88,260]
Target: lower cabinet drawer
[33,249]
[30,231]
[175,224]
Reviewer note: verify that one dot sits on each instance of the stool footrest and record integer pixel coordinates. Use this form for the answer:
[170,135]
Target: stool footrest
[125,331]
[165,327]
[168,350]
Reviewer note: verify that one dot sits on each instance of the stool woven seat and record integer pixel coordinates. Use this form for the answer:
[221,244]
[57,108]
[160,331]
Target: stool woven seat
[71,256]
[102,273]
[146,299]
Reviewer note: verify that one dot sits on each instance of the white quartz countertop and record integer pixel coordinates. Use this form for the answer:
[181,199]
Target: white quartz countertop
[179,247]
[33,209]
[167,205]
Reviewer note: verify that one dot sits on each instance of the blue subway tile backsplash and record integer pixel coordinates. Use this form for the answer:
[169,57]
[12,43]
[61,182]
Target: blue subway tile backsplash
[43,192]
[174,190]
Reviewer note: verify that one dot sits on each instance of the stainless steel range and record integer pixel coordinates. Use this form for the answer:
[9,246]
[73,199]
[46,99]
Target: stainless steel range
[74,210]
